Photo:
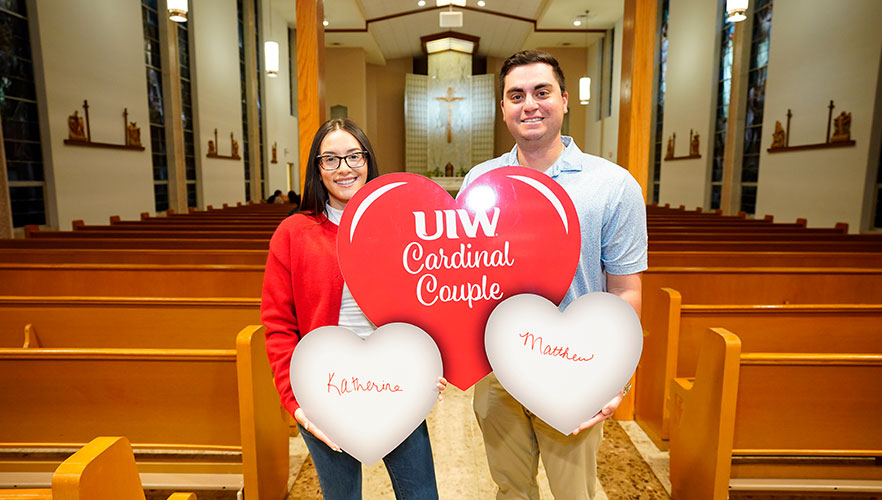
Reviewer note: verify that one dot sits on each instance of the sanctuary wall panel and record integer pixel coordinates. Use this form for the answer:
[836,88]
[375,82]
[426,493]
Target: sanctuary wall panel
[820,51]
[94,53]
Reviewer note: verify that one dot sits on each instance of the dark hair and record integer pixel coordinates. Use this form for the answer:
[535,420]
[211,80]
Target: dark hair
[315,194]
[526,57]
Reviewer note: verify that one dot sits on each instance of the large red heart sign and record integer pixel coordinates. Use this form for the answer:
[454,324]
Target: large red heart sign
[410,253]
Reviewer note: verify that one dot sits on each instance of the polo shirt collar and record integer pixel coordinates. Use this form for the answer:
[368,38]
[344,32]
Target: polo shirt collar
[568,161]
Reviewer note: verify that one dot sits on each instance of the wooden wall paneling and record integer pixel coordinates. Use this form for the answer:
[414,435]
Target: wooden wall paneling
[635,109]
[310,75]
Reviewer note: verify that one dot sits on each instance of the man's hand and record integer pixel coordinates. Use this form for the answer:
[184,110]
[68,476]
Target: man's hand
[300,417]
[604,413]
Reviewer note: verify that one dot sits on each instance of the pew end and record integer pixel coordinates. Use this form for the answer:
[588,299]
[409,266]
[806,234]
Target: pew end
[703,414]
[658,364]
[264,428]
[104,469]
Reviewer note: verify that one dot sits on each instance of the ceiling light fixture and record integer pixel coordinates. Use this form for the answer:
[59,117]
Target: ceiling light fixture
[481,3]
[736,10]
[444,3]
[177,10]
[577,22]
[422,3]
[325,22]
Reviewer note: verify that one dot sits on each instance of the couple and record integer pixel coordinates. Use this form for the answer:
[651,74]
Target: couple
[302,270]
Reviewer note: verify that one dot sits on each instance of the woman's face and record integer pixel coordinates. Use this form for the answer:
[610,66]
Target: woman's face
[346,180]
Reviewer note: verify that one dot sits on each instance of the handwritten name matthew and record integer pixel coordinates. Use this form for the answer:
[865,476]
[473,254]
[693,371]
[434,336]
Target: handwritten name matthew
[536,343]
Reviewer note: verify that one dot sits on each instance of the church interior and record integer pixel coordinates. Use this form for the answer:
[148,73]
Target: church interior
[141,140]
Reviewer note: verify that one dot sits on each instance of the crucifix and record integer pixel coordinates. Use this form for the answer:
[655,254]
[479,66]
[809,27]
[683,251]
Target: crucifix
[449,100]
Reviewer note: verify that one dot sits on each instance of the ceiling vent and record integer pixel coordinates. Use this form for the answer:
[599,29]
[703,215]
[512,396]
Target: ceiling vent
[451,19]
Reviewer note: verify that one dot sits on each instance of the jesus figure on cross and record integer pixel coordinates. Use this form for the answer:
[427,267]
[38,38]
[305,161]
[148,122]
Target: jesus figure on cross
[449,100]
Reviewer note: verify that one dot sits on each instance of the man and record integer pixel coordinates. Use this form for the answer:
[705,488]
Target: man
[612,216]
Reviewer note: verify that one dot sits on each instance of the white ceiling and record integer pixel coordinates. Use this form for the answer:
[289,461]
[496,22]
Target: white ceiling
[500,36]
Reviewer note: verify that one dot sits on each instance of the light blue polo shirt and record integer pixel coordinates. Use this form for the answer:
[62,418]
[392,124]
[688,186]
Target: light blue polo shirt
[612,215]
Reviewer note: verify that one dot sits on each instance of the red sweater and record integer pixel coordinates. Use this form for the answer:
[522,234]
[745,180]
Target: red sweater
[302,288]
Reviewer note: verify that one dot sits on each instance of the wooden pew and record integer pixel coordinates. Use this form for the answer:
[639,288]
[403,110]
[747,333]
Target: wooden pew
[748,258]
[32,255]
[104,469]
[154,234]
[173,243]
[673,333]
[197,415]
[131,280]
[784,422]
[769,285]
[125,322]
[688,245]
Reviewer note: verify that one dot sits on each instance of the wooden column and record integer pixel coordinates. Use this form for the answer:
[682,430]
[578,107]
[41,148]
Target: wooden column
[635,108]
[5,204]
[174,125]
[730,197]
[310,75]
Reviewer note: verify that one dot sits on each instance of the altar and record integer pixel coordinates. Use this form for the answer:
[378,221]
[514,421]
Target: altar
[449,112]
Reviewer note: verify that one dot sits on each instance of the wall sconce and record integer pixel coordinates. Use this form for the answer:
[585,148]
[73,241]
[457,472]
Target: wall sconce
[177,10]
[584,90]
[271,56]
[736,10]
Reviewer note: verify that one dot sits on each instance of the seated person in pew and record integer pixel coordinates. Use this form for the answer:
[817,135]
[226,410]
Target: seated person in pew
[341,161]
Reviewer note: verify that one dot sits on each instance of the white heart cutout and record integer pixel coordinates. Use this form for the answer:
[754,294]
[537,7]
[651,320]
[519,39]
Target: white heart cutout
[367,395]
[564,366]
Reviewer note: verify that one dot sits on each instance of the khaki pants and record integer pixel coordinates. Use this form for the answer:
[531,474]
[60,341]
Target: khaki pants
[514,439]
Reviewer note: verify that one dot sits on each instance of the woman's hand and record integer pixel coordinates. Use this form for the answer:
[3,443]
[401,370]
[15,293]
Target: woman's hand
[441,385]
[300,417]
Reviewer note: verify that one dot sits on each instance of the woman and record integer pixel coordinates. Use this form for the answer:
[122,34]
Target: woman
[303,289]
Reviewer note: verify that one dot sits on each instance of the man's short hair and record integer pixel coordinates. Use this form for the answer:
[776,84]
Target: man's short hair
[526,57]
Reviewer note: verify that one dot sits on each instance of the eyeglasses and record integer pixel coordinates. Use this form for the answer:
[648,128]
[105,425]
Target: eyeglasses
[332,162]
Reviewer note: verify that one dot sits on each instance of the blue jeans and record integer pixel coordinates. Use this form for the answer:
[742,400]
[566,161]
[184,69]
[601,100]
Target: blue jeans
[410,467]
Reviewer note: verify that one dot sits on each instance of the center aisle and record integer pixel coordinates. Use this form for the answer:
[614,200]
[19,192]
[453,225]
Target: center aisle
[461,464]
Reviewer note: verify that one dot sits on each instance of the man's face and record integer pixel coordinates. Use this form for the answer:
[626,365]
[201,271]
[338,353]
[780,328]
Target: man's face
[532,104]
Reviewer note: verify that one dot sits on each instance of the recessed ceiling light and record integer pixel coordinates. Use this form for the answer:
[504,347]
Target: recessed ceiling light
[577,22]
[325,22]
[481,3]
[422,3]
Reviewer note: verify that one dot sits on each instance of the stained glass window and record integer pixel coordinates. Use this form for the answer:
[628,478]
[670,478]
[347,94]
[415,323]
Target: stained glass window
[187,113]
[151,19]
[724,91]
[243,75]
[660,99]
[257,61]
[18,109]
[756,91]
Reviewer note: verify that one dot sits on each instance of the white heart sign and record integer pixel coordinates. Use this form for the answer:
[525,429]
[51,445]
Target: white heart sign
[366,395]
[564,367]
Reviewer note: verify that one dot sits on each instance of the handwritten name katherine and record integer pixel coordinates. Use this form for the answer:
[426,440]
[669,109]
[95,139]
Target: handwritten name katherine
[353,384]
[536,343]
